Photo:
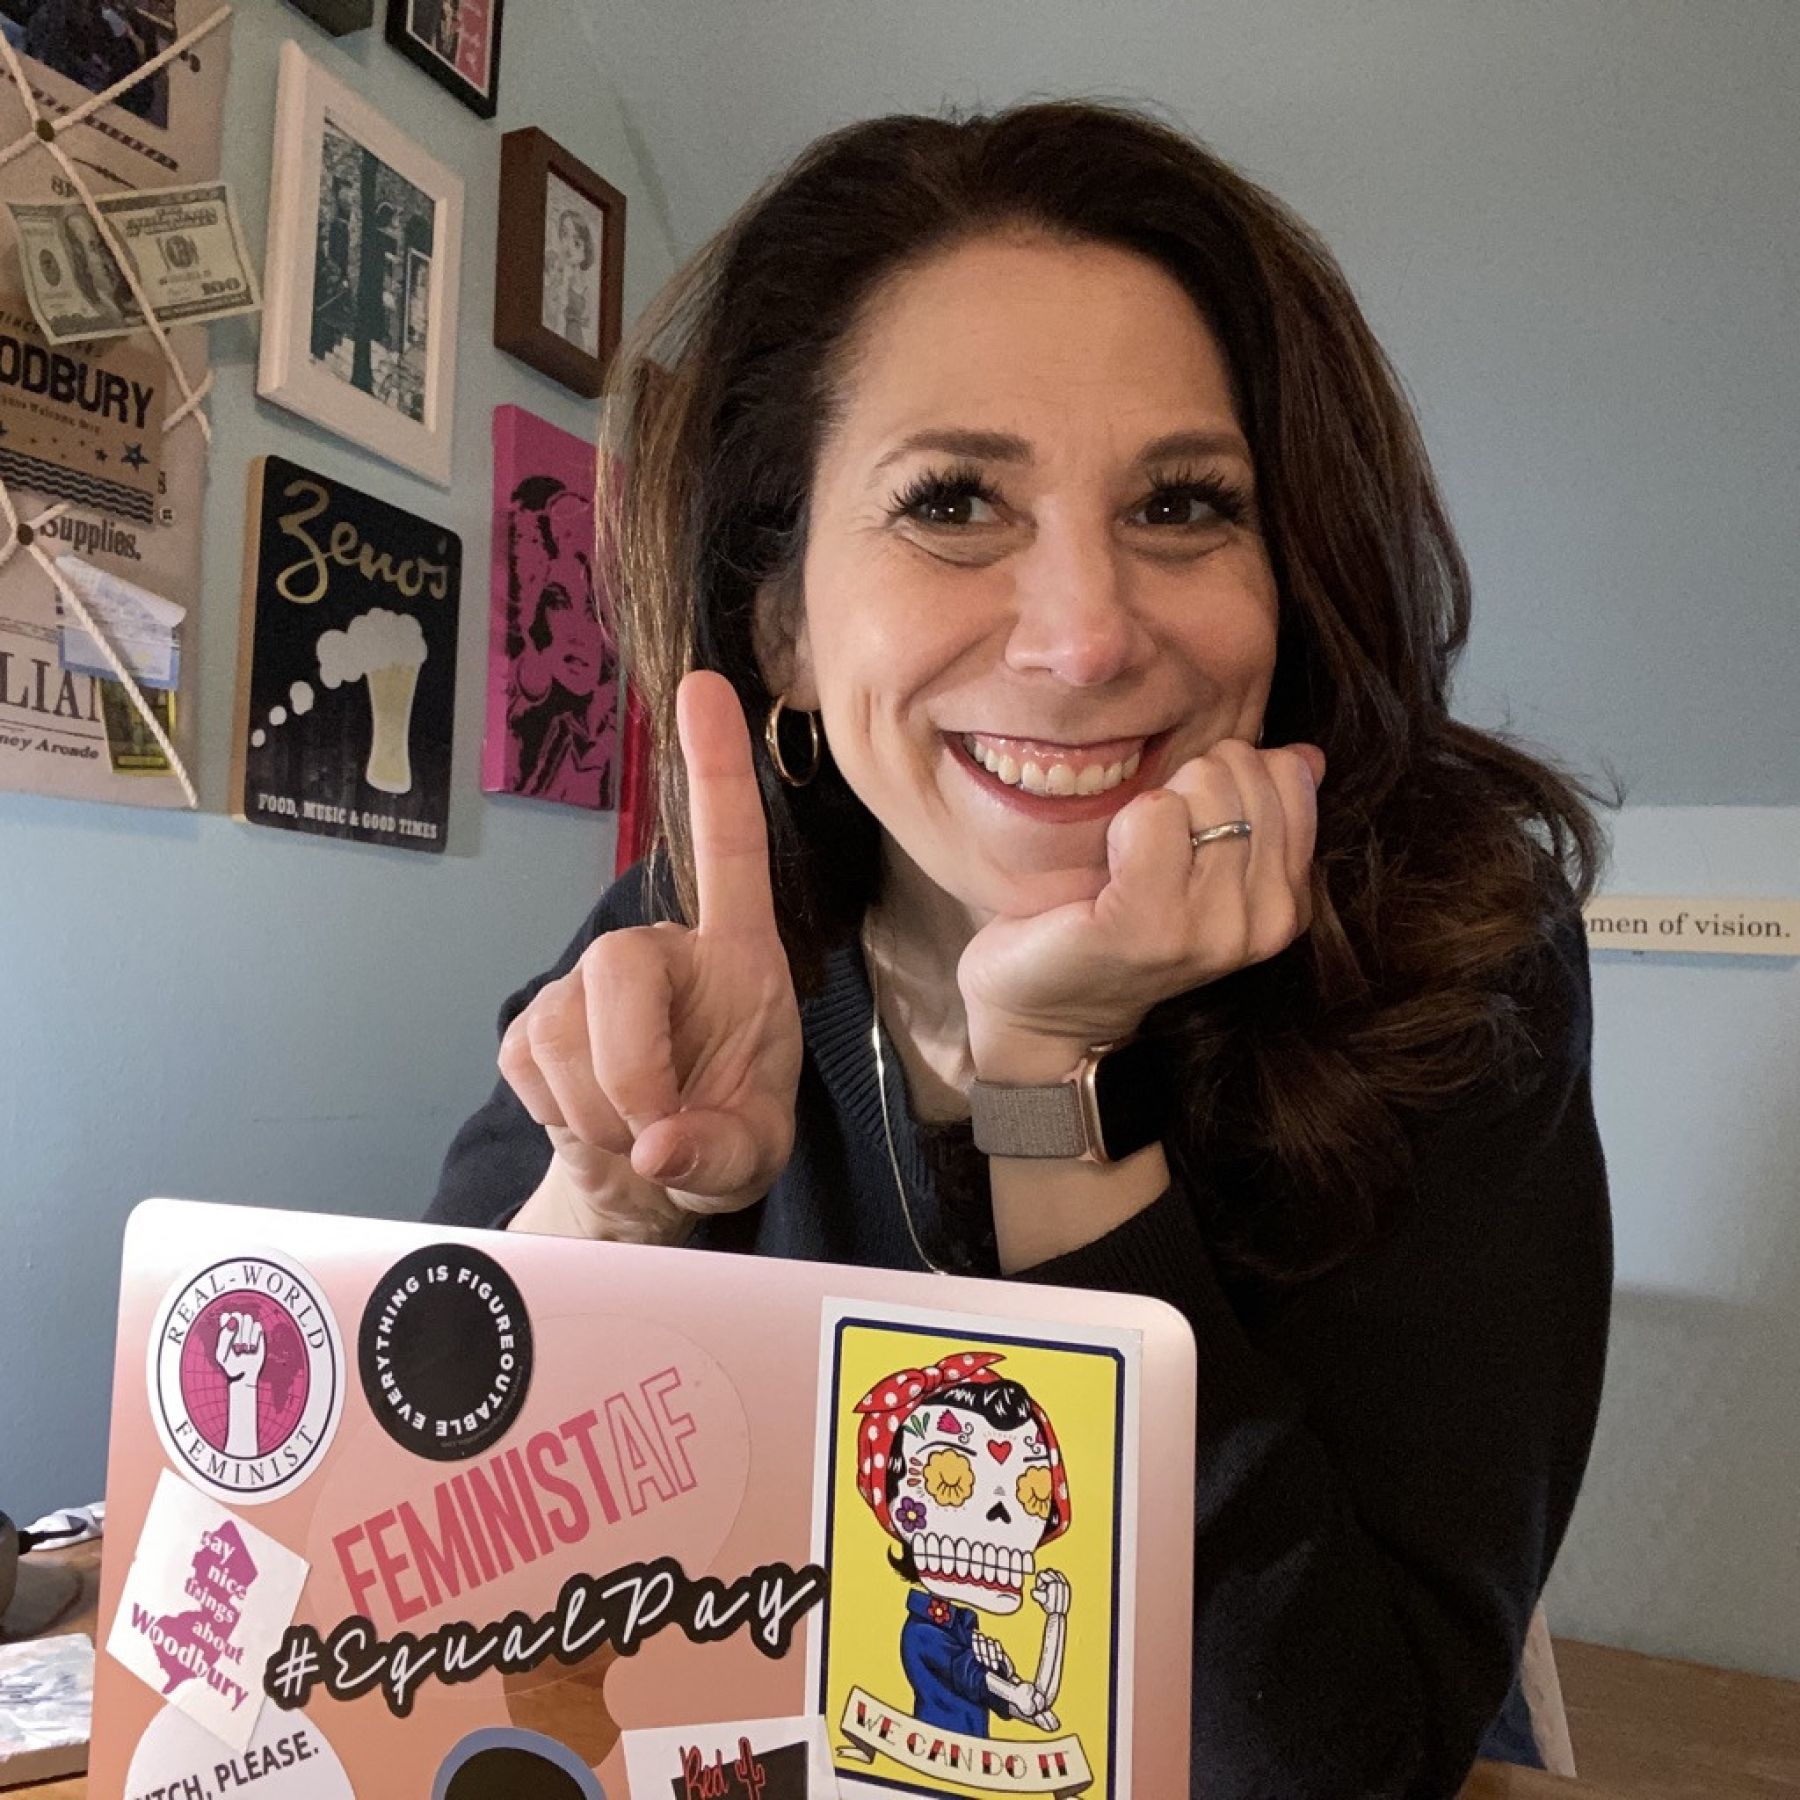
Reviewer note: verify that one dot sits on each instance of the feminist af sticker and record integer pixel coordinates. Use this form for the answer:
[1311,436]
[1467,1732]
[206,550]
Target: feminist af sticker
[246,1376]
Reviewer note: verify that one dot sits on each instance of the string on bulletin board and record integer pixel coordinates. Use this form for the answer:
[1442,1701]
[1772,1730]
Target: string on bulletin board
[44,133]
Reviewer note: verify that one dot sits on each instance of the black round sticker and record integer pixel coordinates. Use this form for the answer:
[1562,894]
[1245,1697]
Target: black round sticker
[508,1773]
[500,1762]
[445,1352]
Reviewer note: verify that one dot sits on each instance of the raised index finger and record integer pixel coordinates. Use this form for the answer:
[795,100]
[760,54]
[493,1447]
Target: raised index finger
[731,843]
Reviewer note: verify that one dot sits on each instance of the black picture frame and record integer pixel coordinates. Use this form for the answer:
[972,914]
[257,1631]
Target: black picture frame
[338,17]
[426,52]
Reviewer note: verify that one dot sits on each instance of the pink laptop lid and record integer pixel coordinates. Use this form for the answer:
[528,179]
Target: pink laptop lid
[399,1510]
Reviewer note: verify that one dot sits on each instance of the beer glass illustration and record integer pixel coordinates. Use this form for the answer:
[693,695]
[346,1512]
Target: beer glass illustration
[384,650]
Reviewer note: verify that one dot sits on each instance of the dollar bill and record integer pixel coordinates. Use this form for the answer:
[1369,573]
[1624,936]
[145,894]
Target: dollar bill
[186,249]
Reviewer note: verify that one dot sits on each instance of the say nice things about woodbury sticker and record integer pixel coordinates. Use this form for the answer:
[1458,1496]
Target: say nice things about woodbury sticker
[246,1375]
[974,1508]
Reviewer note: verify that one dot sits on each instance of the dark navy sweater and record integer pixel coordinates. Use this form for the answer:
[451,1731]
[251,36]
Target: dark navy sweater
[1388,1454]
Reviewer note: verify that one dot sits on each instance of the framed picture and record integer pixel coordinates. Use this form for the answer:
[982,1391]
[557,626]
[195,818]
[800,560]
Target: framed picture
[339,17]
[553,666]
[364,255]
[456,43]
[563,224]
[346,696]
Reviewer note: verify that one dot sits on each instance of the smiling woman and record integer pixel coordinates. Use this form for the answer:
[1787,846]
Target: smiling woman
[998,622]
[1048,468]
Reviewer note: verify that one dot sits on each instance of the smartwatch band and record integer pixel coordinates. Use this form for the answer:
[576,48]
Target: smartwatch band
[1027,1121]
[1115,1103]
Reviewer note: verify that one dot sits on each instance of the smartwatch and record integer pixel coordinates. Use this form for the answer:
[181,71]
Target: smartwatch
[1117,1101]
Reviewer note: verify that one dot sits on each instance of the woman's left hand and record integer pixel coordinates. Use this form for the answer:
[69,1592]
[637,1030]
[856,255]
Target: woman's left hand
[1040,991]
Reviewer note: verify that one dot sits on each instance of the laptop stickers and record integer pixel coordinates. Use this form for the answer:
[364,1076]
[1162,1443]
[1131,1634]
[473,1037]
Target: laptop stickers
[205,1604]
[246,1376]
[500,1762]
[286,1759]
[747,1759]
[575,1520]
[445,1352]
[972,1487]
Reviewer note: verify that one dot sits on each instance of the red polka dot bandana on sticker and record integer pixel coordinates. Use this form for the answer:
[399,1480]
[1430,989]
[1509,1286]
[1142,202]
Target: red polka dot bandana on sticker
[886,1407]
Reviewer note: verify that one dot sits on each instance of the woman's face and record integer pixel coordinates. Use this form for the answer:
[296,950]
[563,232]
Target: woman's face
[998,672]
[573,653]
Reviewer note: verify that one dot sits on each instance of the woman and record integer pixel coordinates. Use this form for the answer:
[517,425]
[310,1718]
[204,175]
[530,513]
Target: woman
[560,734]
[566,282]
[1049,466]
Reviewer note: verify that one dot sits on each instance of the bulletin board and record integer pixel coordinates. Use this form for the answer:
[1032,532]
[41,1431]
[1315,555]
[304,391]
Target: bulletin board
[101,412]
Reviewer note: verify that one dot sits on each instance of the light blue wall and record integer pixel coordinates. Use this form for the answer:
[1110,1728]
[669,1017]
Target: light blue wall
[1684,1543]
[198,1007]
[1570,221]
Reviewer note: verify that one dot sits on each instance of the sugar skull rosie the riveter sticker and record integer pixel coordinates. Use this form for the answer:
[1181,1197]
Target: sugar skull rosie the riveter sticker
[246,1376]
[975,1505]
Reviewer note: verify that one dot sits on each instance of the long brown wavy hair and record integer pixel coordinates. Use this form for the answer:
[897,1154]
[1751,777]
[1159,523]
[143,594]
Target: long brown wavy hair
[1445,853]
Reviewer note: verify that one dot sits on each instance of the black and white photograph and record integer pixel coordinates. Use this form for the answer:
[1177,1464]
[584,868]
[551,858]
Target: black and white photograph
[567,222]
[364,260]
[371,319]
[574,231]
[456,43]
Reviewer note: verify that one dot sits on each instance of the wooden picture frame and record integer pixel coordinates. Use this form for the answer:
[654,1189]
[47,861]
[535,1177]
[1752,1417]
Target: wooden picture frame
[360,294]
[560,255]
[456,43]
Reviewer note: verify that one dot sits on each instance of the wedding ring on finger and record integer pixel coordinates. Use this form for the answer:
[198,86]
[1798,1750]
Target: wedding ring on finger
[1232,828]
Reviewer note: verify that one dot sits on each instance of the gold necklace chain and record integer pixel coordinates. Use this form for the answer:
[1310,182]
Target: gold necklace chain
[887,1129]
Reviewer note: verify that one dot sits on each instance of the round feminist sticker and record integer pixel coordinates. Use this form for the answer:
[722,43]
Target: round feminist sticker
[445,1352]
[246,1376]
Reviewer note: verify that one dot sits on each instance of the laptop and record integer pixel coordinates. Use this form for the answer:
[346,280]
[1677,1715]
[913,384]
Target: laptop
[399,1510]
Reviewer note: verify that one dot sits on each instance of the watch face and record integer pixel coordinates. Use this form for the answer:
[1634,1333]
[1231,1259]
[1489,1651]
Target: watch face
[1134,1098]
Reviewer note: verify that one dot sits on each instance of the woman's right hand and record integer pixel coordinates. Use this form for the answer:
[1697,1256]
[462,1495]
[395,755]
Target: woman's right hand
[664,1065]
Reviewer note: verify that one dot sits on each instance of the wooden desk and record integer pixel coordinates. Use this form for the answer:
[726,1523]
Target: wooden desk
[1644,1728]
[1496,1781]
[84,1561]
[1657,1729]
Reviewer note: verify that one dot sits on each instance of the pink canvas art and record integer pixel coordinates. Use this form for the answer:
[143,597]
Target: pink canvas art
[553,668]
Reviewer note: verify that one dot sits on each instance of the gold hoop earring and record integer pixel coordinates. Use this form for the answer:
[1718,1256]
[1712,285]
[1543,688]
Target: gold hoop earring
[772,738]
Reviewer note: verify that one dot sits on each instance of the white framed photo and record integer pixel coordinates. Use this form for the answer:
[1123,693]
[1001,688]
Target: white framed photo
[363,265]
